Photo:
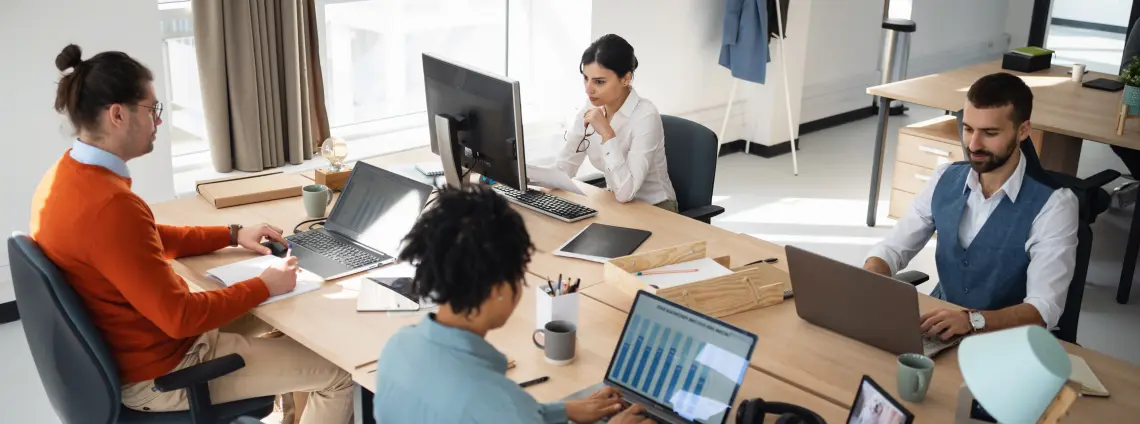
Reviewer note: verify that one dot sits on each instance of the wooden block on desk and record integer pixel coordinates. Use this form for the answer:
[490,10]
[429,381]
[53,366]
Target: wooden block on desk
[742,290]
[334,180]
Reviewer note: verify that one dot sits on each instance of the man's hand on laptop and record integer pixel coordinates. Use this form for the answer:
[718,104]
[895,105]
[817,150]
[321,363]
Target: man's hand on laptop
[250,237]
[281,277]
[945,323]
[633,415]
[601,404]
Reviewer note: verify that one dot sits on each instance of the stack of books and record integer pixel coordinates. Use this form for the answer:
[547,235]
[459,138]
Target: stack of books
[1032,51]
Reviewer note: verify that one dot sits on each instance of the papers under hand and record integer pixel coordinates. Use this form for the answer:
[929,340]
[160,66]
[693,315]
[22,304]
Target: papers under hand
[551,178]
[250,268]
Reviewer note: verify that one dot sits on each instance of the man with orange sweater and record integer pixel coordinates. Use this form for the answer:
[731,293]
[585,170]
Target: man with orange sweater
[105,240]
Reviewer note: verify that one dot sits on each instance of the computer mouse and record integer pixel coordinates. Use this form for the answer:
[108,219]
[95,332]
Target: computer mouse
[276,248]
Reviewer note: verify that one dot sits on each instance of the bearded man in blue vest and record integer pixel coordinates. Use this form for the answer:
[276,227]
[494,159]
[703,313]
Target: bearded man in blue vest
[1007,233]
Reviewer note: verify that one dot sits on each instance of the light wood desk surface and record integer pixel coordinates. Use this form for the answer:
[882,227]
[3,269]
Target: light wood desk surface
[326,320]
[831,365]
[1060,105]
[598,332]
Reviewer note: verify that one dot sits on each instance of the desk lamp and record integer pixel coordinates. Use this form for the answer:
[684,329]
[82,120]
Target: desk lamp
[1015,373]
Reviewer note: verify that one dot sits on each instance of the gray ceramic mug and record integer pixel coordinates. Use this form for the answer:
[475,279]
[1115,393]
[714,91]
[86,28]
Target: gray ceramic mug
[915,372]
[559,339]
[317,198]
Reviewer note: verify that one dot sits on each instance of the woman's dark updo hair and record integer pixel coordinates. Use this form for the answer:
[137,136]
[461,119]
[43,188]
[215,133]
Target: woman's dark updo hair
[464,245]
[107,78]
[613,53]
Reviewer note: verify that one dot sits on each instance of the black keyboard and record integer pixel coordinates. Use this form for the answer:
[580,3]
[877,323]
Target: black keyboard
[546,204]
[328,246]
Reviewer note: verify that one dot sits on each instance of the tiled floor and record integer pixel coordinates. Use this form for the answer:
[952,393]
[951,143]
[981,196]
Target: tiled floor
[822,209]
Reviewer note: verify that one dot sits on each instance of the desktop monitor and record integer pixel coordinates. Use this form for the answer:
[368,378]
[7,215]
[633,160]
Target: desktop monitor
[479,115]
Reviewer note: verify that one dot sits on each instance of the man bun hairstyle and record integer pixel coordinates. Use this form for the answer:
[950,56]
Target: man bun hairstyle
[88,86]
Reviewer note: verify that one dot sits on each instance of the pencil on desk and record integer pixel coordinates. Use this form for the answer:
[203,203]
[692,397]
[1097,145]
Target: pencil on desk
[667,271]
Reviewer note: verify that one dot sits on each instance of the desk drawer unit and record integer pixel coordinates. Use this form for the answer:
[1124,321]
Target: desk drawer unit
[925,152]
[900,203]
[910,178]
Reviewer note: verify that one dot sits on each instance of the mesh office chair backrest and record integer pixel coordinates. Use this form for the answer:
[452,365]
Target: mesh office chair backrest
[690,150]
[74,364]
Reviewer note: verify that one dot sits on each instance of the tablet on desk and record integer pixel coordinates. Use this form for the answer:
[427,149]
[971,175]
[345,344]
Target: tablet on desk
[600,242]
[1105,84]
[874,406]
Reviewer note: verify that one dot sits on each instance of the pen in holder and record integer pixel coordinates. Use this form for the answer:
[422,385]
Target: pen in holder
[547,308]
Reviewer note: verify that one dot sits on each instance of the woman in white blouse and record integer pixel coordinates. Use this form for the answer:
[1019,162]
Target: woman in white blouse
[618,130]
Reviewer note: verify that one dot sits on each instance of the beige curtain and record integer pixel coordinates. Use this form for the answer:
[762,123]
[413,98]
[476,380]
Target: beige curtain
[262,89]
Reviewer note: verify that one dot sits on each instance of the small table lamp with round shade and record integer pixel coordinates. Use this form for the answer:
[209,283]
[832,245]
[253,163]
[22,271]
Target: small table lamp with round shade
[335,150]
[1015,373]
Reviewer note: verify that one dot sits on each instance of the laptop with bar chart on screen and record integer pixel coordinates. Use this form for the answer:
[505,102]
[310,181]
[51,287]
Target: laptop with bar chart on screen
[683,366]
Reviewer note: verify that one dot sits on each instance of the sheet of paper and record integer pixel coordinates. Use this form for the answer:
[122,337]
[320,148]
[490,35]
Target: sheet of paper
[240,271]
[706,268]
[1090,384]
[551,177]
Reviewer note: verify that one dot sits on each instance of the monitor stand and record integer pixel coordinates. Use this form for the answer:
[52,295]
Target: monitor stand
[447,137]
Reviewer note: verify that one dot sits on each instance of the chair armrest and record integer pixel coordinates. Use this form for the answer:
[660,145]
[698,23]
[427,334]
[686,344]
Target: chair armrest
[199,374]
[1099,180]
[912,277]
[704,213]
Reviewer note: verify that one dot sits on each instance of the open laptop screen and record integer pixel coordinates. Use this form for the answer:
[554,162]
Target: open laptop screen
[378,207]
[679,360]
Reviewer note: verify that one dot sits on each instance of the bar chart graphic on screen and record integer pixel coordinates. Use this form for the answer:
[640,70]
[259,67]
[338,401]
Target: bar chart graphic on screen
[687,362]
[657,362]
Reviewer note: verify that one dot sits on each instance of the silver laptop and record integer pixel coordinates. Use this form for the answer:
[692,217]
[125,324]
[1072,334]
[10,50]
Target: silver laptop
[683,366]
[860,304]
[367,224]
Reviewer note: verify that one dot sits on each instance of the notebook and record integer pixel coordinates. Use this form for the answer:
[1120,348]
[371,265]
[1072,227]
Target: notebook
[600,242]
[706,268]
[240,271]
[1090,384]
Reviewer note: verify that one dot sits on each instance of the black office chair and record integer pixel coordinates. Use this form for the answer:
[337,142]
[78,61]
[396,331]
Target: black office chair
[691,153]
[77,370]
[1093,200]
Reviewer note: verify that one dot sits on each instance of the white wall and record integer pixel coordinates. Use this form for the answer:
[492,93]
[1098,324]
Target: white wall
[846,39]
[1108,12]
[32,33]
[677,43]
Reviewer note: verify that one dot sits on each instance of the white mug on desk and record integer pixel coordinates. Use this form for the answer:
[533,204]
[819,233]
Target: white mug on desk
[1078,72]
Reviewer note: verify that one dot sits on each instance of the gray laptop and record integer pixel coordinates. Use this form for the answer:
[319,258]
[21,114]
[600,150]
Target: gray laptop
[683,366]
[366,226]
[860,304]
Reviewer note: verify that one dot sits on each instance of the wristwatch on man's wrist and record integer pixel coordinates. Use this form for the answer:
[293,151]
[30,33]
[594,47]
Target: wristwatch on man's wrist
[234,228]
[977,321]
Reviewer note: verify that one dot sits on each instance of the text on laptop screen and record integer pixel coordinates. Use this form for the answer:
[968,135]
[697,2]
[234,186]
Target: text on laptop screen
[681,360]
[380,209]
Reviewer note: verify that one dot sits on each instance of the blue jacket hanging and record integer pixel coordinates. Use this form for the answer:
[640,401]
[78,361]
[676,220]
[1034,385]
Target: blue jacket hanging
[747,25]
[744,48]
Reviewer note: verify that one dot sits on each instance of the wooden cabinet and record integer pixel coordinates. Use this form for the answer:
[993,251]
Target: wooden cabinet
[922,147]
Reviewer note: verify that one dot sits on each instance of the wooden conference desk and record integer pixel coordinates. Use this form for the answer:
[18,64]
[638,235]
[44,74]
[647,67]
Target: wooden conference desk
[1065,111]
[326,320]
[831,365]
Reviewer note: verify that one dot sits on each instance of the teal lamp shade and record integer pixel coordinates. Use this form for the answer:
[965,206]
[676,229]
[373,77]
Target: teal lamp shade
[1015,373]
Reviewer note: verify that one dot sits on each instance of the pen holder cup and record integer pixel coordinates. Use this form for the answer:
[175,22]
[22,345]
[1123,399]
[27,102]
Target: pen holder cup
[549,308]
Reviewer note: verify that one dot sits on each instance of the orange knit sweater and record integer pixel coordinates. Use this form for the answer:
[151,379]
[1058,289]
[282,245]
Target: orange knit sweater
[104,239]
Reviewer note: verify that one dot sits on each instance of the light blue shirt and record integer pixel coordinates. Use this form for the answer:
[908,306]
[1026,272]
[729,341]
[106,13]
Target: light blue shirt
[430,373]
[90,155]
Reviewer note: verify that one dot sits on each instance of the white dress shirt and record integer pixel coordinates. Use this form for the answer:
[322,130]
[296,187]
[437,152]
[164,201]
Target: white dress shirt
[1052,243]
[633,161]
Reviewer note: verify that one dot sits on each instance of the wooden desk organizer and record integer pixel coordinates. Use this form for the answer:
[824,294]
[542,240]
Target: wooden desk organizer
[745,289]
[334,180]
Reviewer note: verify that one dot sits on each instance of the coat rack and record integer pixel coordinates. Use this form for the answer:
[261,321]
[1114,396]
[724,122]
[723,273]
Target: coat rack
[787,94]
